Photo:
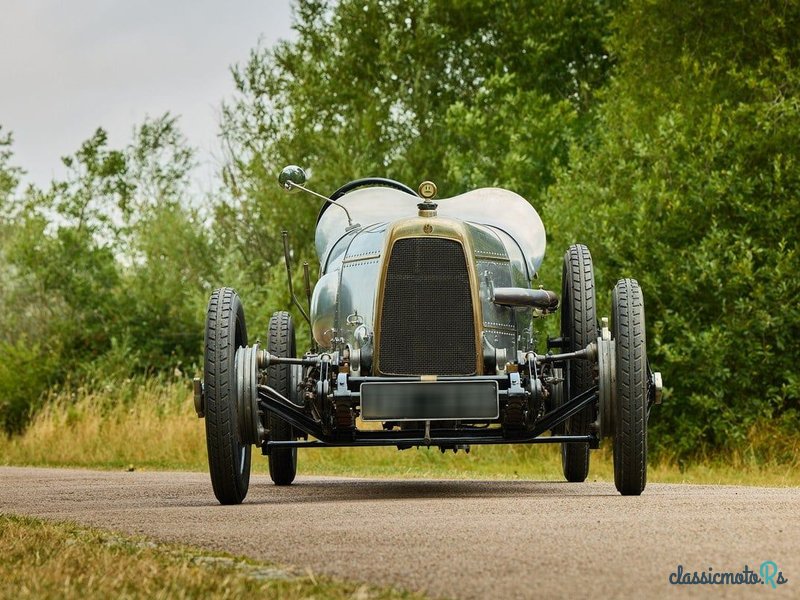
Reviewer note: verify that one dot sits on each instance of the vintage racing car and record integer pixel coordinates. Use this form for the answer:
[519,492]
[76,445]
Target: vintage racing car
[423,322]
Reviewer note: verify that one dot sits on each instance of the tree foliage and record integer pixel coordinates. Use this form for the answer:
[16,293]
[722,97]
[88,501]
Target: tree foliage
[665,135]
[692,185]
[108,269]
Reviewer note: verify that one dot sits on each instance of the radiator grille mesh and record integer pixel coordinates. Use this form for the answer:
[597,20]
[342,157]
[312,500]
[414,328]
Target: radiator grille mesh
[427,325]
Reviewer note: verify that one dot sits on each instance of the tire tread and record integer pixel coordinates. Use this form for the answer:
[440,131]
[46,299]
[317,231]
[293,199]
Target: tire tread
[222,435]
[579,323]
[281,342]
[630,441]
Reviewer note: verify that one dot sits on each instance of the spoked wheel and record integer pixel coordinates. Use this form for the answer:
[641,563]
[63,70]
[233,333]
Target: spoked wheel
[282,461]
[630,410]
[228,457]
[578,329]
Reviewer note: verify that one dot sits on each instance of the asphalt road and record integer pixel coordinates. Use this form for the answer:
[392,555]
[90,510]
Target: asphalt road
[463,539]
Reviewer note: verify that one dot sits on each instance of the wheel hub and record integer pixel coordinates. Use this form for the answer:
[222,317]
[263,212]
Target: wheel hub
[607,379]
[250,429]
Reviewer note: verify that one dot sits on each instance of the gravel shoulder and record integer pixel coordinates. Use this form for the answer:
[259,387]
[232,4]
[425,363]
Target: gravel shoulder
[464,539]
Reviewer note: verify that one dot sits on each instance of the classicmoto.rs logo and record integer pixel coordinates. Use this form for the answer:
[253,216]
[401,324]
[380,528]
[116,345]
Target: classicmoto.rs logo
[767,574]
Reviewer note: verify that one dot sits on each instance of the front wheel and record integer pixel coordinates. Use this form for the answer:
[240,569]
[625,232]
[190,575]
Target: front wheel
[228,457]
[630,410]
[578,329]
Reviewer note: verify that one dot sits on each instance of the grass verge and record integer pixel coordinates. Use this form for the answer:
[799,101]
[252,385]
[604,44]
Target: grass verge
[43,559]
[149,424]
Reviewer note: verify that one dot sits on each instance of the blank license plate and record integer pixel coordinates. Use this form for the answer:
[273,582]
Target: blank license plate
[429,400]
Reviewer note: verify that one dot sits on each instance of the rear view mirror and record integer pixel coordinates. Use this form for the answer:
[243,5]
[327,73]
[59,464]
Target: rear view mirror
[291,177]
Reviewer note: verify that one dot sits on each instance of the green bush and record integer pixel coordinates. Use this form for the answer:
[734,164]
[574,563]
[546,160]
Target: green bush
[106,273]
[26,373]
[692,186]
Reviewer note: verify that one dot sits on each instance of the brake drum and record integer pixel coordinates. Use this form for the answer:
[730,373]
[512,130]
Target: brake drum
[606,380]
[250,427]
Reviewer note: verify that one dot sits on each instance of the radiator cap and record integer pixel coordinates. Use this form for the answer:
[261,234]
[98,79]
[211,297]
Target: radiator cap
[427,208]
[427,189]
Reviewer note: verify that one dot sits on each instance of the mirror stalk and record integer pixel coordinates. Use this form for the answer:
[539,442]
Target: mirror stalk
[293,178]
[289,185]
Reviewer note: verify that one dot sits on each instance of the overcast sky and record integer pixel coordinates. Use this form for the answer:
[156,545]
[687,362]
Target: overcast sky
[67,68]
